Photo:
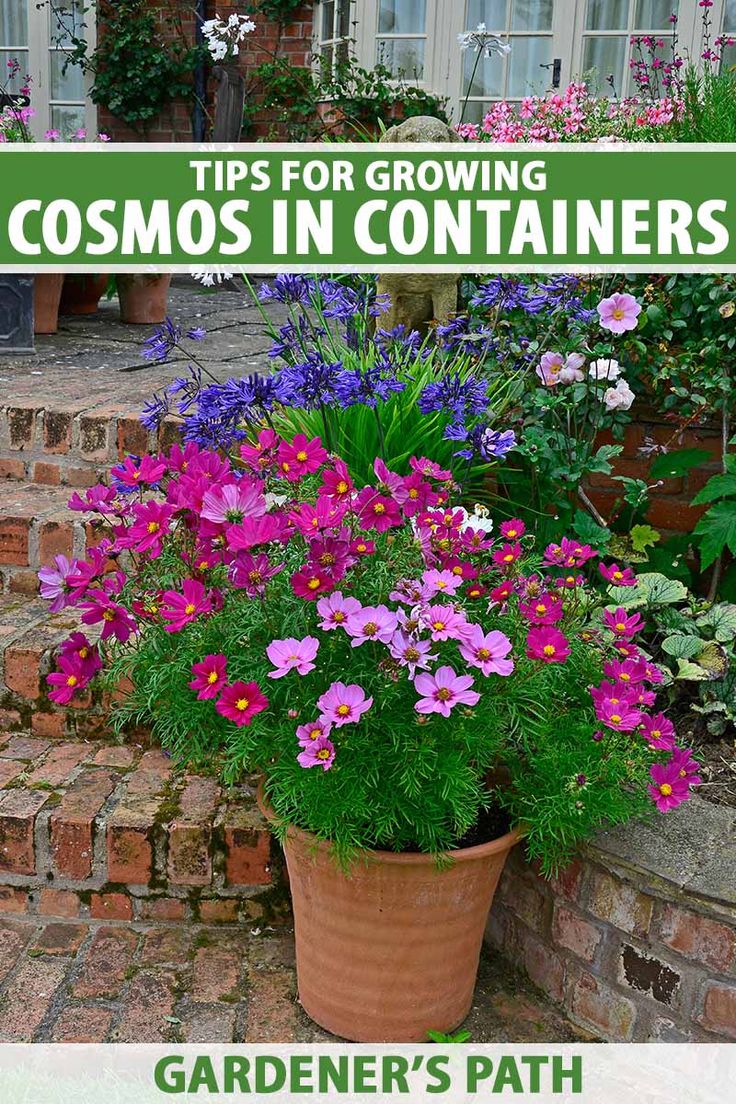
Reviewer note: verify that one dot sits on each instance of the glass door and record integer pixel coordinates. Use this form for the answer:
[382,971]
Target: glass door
[14,49]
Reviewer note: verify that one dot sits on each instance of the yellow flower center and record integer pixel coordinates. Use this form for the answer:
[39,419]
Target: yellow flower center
[255,576]
[361,548]
[656,733]
[242,704]
[483,653]
[549,649]
[508,558]
[512,533]
[108,615]
[323,753]
[314,734]
[541,608]
[83,653]
[327,559]
[370,628]
[438,625]
[457,570]
[379,508]
[412,654]
[618,574]
[313,583]
[441,584]
[342,487]
[285,467]
[343,710]
[620,626]
[153,527]
[616,718]
[190,608]
[444,694]
[72,680]
[302,456]
[618,314]
[212,677]
[339,616]
[665,789]
[413,493]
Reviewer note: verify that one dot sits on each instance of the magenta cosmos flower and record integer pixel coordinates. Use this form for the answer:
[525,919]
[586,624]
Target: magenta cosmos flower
[300,457]
[545,609]
[659,732]
[67,680]
[668,789]
[617,576]
[621,716]
[310,582]
[252,573]
[622,624]
[135,472]
[115,620]
[440,582]
[443,690]
[307,733]
[318,753]
[377,511]
[619,313]
[371,623]
[488,651]
[240,702]
[181,609]
[78,648]
[152,523]
[335,610]
[547,644]
[210,676]
[292,655]
[513,529]
[343,704]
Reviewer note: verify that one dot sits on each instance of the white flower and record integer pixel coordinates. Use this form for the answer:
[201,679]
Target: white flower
[619,397]
[479,519]
[481,39]
[209,279]
[604,370]
[570,371]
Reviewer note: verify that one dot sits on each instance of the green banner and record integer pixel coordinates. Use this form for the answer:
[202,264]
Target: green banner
[477,208]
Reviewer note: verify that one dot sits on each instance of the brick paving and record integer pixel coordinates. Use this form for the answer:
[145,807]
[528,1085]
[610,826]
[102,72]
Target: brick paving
[70,982]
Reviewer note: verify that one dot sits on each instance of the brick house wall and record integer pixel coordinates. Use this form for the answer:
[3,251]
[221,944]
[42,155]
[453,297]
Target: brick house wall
[292,41]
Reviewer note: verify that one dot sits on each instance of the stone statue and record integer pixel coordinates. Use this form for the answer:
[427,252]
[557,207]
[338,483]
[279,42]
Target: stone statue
[419,298]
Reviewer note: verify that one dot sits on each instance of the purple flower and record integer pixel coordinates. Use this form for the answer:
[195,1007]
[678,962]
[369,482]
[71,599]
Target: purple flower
[318,753]
[488,651]
[291,654]
[55,587]
[460,397]
[443,690]
[335,611]
[371,623]
[411,653]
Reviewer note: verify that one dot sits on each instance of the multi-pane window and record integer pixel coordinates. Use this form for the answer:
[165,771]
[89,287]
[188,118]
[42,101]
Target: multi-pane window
[728,53]
[333,32]
[608,29]
[66,93]
[528,26]
[13,44]
[401,43]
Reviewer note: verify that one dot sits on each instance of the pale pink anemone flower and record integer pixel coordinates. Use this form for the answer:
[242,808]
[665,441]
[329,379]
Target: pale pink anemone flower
[343,704]
[488,651]
[619,313]
[292,655]
[443,690]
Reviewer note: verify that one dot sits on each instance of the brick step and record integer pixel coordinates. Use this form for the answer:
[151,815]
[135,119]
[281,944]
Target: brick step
[35,526]
[115,832]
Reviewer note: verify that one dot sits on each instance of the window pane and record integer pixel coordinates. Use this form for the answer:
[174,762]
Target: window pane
[343,18]
[13,23]
[67,85]
[402,16]
[488,77]
[607,57]
[476,111]
[13,84]
[67,120]
[607,15]
[729,19]
[328,20]
[67,22]
[525,75]
[531,15]
[490,12]
[654,15]
[402,56]
[728,58]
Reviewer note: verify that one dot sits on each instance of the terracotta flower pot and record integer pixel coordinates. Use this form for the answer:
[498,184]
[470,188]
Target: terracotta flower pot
[389,951]
[143,298]
[81,294]
[46,297]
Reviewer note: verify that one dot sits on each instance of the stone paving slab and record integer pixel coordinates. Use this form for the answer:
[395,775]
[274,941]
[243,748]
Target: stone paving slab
[68,982]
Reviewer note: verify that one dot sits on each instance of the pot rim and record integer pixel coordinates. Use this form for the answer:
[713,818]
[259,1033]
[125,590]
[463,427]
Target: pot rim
[402,858]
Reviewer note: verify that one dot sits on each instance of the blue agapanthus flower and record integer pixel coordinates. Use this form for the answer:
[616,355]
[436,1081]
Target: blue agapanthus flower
[368,386]
[309,385]
[460,397]
[160,344]
[288,287]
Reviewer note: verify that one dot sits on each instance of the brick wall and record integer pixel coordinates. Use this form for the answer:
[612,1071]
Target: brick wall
[632,952]
[292,41]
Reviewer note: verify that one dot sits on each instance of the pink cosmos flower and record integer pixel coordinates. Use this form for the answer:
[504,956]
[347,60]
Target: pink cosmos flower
[475,591]
[568,553]
[687,766]
[254,531]
[231,503]
[617,576]
[210,676]
[78,648]
[343,704]
[336,481]
[335,610]
[331,554]
[506,556]
[300,457]
[416,495]
[318,753]
[241,702]
[513,530]
[181,609]
[310,518]
[252,573]
[116,621]
[180,458]
[261,456]
[429,469]
[362,547]
[135,472]
[501,594]
[547,644]
[658,731]
[545,609]
[619,313]
[443,690]
[310,582]
[621,716]
[409,592]
[69,678]
[389,483]
[668,789]
[308,733]
[651,672]
[445,623]
[622,624]
[152,523]
[371,623]
[55,585]
[99,499]
[488,651]
[377,511]
[617,693]
[291,654]
[411,653]
[440,582]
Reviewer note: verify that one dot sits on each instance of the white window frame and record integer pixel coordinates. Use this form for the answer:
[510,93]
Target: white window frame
[319,43]
[39,49]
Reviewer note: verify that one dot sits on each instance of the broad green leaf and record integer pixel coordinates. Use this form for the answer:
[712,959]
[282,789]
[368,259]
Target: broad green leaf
[642,536]
[588,530]
[652,589]
[690,671]
[713,660]
[671,465]
[683,647]
[621,548]
[717,531]
[722,620]
[719,486]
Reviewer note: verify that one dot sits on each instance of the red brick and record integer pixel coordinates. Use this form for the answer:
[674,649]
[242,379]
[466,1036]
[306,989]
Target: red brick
[53,725]
[82,1023]
[13,900]
[56,538]
[697,937]
[248,848]
[12,469]
[162,908]
[599,1007]
[58,902]
[48,474]
[620,904]
[57,431]
[58,764]
[110,906]
[10,719]
[719,1009]
[106,963]
[149,1000]
[201,1024]
[72,823]
[168,946]
[219,912]
[95,433]
[216,973]
[10,769]
[190,835]
[272,1009]
[575,933]
[21,423]
[525,898]
[120,758]
[24,582]
[13,937]
[18,811]
[14,533]
[130,825]
[81,477]
[28,998]
[61,939]
[543,965]
[22,670]
[24,747]
[675,514]
[568,882]
[132,436]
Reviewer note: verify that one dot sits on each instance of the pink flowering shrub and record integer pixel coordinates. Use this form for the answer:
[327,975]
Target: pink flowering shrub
[375,653]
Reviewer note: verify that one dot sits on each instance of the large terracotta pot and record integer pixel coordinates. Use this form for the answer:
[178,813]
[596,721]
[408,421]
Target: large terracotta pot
[46,297]
[390,950]
[81,294]
[142,297]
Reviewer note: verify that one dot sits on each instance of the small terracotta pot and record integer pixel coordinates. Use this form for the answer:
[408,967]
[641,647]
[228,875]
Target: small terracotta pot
[143,298]
[81,294]
[389,951]
[46,298]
